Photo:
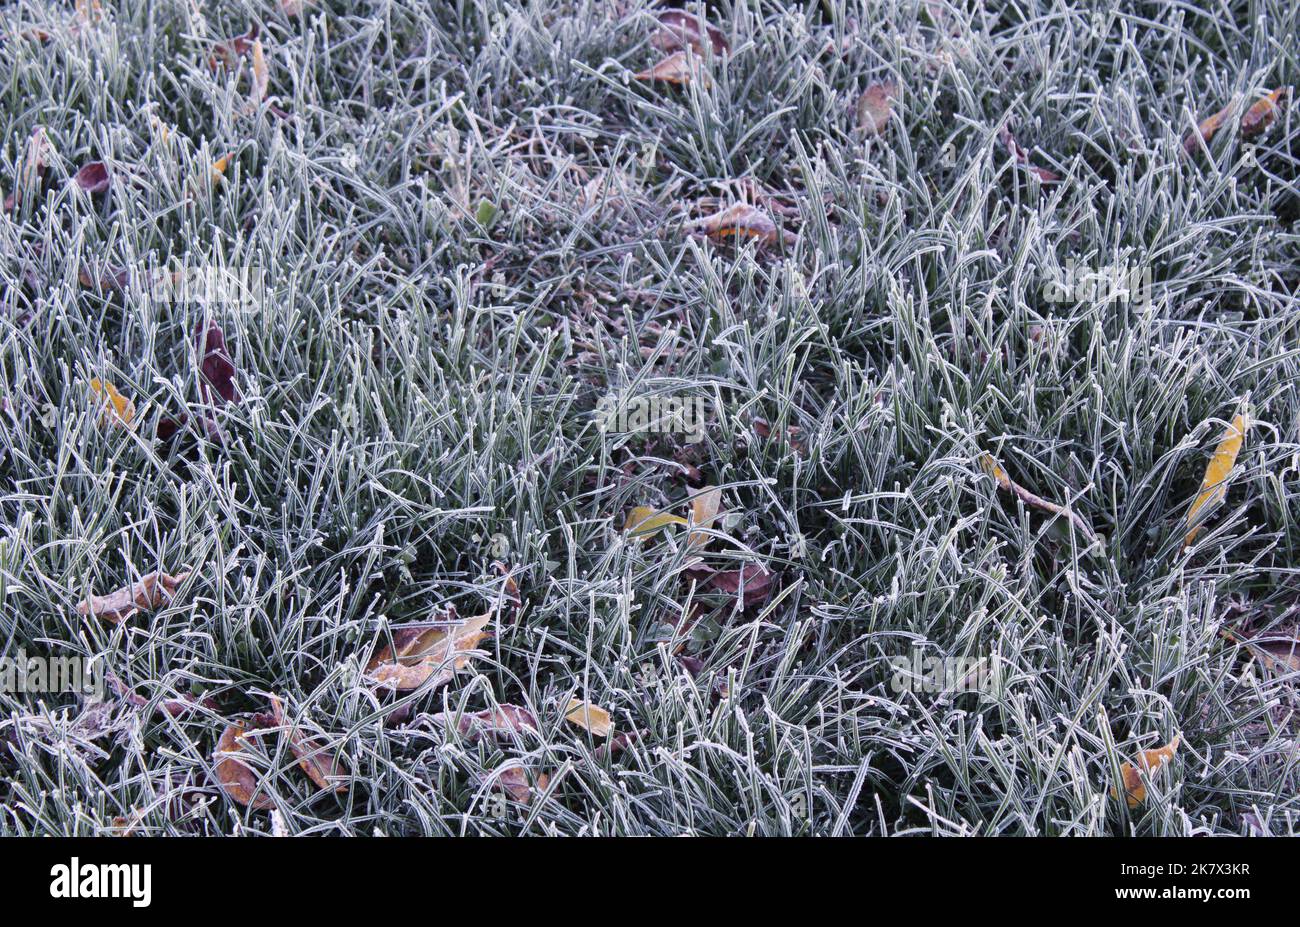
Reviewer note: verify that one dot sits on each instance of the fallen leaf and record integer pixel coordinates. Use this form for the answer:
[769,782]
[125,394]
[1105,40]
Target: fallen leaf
[874,107]
[432,654]
[261,74]
[117,408]
[1280,655]
[172,706]
[292,8]
[88,12]
[793,435]
[150,592]
[1207,129]
[704,509]
[643,521]
[1021,157]
[514,781]
[751,584]
[219,167]
[1135,790]
[994,469]
[679,68]
[589,717]
[226,54]
[93,177]
[503,721]
[326,773]
[1261,115]
[617,745]
[679,30]
[217,385]
[234,776]
[741,221]
[113,278]
[1214,486]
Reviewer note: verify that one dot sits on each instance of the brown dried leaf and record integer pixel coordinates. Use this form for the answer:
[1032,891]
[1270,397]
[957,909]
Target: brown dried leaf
[431,657]
[679,30]
[1021,157]
[227,54]
[679,68]
[874,107]
[741,221]
[234,776]
[514,781]
[93,177]
[35,160]
[503,721]
[589,717]
[151,591]
[172,706]
[751,584]
[312,756]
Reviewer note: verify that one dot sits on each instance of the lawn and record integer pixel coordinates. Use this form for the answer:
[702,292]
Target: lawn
[857,417]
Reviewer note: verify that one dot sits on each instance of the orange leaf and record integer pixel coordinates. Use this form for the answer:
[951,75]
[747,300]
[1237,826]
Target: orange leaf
[234,776]
[679,30]
[117,408]
[150,592]
[677,69]
[1260,116]
[741,221]
[1135,790]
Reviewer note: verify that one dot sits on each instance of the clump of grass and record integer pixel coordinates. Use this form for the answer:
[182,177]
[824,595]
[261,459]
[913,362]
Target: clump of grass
[472,227]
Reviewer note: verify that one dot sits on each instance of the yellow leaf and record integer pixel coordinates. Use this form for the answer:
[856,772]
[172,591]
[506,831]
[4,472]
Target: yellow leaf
[704,509]
[1135,790]
[1214,486]
[219,167]
[117,407]
[994,469]
[589,717]
[643,521]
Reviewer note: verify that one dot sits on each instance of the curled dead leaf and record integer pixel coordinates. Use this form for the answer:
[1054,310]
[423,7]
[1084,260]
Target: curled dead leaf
[502,721]
[1135,790]
[741,221]
[520,784]
[432,655]
[93,177]
[679,68]
[1021,157]
[227,54]
[643,521]
[150,592]
[326,771]
[117,408]
[1262,114]
[589,717]
[679,30]
[217,383]
[874,107]
[234,776]
[704,510]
